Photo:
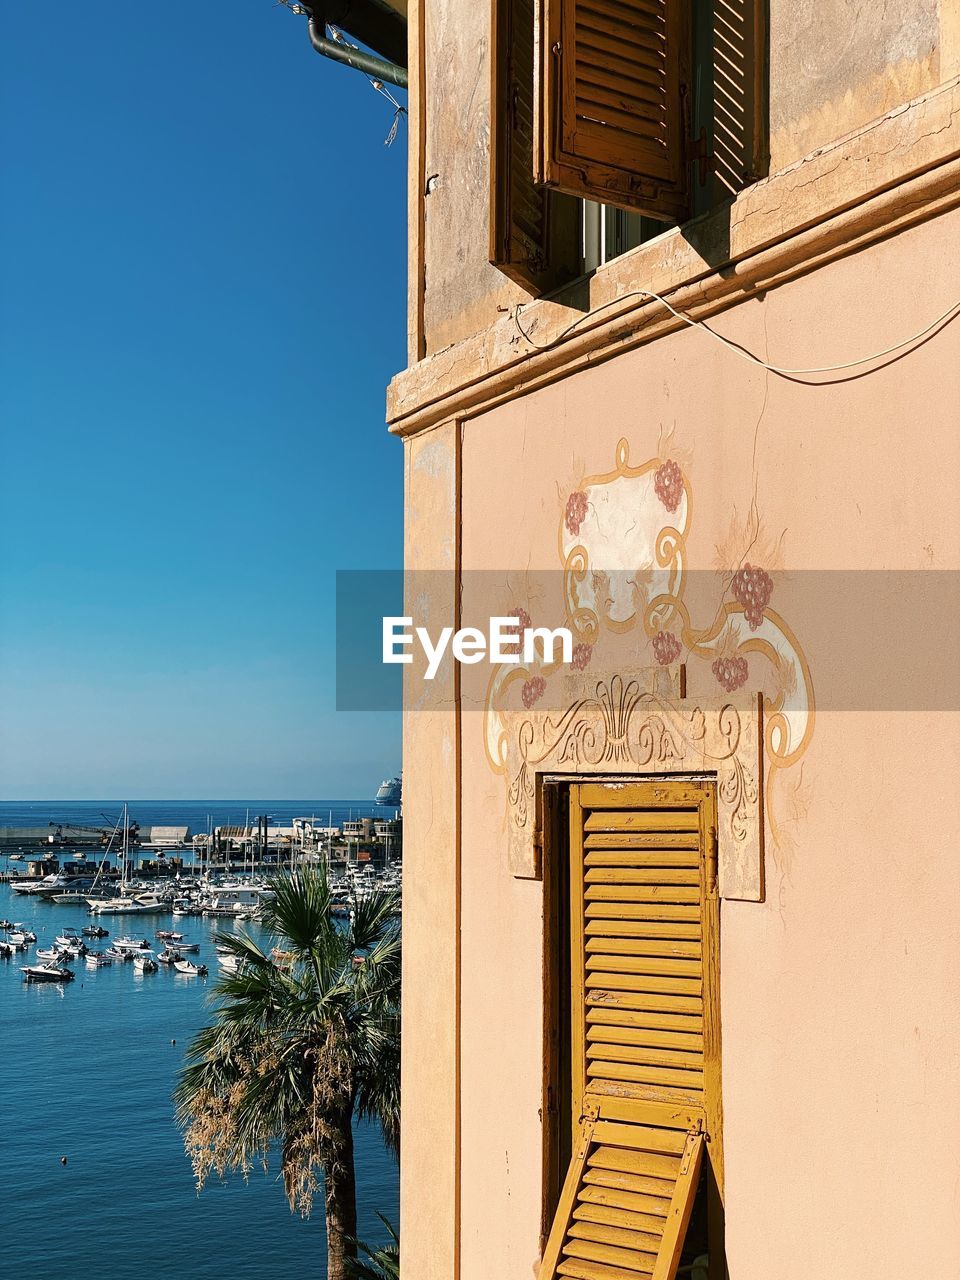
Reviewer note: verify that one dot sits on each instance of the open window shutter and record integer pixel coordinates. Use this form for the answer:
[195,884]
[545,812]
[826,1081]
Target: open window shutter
[614,78]
[625,1204]
[533,231]
[645,1027]
[739,143]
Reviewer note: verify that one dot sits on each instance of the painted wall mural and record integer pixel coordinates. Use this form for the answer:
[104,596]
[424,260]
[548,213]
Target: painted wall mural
[627,589]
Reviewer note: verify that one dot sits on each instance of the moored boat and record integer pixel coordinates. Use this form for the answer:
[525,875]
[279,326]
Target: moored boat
[55,954]
[144,962]
[191,969]
[169,955]
[46,973]
[95,931]
[131,945]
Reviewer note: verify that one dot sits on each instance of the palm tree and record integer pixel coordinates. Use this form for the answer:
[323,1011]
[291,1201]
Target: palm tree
[304,1040]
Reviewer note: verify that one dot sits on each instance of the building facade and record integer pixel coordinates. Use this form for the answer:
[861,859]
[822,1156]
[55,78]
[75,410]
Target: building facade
[682,970]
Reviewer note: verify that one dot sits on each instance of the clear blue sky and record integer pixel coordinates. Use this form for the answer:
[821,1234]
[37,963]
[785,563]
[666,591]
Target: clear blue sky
[202,279]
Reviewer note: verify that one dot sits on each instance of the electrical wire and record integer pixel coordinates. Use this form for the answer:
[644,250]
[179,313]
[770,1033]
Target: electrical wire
[398,109]
[744,354]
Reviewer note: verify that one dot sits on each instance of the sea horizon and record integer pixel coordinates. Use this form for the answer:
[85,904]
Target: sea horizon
[198,815]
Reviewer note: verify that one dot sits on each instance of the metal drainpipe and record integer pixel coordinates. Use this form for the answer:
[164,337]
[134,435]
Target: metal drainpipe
[371,65]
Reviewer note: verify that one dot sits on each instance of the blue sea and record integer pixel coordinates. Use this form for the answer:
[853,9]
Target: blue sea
[88,1072]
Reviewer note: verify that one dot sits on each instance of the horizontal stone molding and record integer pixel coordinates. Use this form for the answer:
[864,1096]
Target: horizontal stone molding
[900,170]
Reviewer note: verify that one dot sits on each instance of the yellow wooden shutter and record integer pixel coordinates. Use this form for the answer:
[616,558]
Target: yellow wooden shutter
[614,79]
[644,1027]
[625,1204]
[533,231]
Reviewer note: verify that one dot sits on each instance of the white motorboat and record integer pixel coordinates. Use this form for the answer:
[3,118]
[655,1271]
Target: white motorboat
[229,962]
[169,955]
[121,906]
[46,973]
[191,969]
[183,945]
[17,941]
[55,954]
[70,938]
[144,962]
[94,931]
[131,945]
[168,935]
[97,960]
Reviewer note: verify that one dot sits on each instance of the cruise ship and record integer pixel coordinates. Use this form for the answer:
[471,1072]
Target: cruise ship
[390,791]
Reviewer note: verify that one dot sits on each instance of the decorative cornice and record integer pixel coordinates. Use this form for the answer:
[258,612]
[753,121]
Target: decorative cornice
[898,171]
[625,726]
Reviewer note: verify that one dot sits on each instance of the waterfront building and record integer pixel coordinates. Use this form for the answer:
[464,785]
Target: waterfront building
[680,945]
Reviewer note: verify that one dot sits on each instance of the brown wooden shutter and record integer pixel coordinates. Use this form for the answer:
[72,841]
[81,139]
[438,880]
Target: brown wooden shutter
[533,231]
[739,135]
[614,79]
[644,1012]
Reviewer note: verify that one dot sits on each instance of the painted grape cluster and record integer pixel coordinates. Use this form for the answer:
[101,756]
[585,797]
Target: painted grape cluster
[668,484]
[576,511]
[752,589]
[731,673]
[666,648]
[532,690]
[582,653]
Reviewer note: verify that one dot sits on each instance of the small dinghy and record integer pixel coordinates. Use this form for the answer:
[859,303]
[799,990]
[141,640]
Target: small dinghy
[187,946]
[191,969]
[46,973]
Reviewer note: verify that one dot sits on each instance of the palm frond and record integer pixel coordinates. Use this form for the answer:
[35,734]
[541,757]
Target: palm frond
[377,1263]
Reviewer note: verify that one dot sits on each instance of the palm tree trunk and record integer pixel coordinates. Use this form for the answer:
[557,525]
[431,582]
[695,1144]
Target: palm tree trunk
[341,1198]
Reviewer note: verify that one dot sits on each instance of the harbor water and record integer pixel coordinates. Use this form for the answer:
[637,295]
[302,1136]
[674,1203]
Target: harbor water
[89,1069]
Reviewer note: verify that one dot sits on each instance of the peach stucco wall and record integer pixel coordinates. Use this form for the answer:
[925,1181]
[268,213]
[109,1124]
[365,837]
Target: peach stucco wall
[841,992]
